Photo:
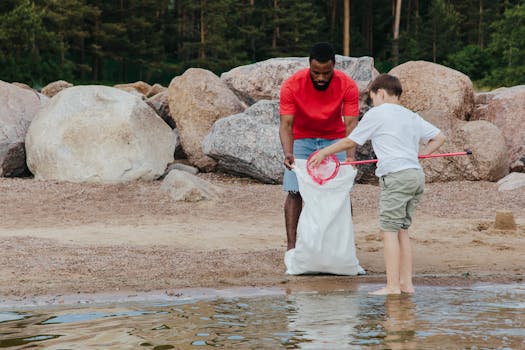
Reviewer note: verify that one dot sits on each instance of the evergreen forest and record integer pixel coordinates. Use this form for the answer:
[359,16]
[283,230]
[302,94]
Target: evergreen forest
[120,41]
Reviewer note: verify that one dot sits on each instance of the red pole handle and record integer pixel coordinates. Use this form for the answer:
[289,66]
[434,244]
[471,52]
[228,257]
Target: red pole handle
[466,153]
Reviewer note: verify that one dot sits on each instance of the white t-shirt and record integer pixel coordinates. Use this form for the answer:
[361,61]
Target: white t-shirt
[395,133]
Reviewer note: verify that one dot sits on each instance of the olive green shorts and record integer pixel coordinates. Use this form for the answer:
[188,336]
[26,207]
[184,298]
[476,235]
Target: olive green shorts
[400,194]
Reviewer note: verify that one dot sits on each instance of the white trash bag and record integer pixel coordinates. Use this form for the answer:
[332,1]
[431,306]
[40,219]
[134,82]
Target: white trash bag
[325,233]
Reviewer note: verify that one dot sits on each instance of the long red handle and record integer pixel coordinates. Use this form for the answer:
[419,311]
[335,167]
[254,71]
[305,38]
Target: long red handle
[466,153]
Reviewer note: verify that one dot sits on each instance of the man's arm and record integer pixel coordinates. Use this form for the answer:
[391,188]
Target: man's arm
[350,124]
[286,135]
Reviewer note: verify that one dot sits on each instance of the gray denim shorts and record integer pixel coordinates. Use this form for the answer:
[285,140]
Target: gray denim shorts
[400,193]
[302,148]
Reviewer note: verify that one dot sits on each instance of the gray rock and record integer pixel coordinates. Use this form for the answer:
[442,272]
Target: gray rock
[512,182]
[248,143]
[18,106]
[183,186]
[263,80]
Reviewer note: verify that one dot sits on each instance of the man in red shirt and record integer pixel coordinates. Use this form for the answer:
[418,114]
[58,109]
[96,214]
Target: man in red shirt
[318,106]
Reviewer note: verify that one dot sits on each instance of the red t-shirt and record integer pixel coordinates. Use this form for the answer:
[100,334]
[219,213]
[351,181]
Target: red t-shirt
[318,114]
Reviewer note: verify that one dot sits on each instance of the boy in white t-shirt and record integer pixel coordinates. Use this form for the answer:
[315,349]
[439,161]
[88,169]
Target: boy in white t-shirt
[396,133]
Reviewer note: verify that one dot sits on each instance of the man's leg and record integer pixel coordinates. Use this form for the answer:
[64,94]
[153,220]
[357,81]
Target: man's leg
[392,258]
[292,209]
[405,263]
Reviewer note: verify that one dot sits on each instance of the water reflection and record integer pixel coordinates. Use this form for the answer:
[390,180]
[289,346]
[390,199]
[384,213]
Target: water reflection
[487,317]
[400,322]
[337,326]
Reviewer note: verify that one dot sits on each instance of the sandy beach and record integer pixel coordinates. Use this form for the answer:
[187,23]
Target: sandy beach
[65,238]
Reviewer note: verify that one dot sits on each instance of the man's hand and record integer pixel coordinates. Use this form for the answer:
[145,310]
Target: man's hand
[289,160]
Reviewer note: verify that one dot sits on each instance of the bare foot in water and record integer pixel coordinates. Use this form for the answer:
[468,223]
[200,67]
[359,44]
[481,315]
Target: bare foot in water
[385,291]
[408,290]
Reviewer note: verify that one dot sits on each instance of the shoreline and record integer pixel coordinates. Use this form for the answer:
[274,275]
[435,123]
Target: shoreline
[296,285]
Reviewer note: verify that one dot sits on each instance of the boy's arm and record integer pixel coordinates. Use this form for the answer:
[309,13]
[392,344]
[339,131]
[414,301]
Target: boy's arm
[350,124]
[341,145]
[433,144]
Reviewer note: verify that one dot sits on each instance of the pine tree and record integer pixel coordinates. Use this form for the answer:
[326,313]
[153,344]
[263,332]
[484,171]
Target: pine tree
[28,51]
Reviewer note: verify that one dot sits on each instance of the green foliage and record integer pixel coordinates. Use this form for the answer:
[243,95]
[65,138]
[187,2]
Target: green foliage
[27,49]
[472,60]
[441,31]
[299,26]
[508,49]
[93,41]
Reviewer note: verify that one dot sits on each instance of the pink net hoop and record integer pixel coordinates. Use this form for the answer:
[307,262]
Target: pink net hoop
[326,171]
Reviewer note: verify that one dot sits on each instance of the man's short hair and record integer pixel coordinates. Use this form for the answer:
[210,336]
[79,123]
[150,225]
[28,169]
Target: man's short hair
[387,82]
[322,52]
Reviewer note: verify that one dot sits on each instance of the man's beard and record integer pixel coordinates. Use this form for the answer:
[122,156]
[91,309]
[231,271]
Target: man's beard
[321,87]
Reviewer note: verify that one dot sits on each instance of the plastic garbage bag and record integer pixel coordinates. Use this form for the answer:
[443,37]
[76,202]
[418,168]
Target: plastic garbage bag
[325,232]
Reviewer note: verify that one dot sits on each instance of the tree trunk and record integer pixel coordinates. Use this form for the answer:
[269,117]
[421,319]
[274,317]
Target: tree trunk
[122,58]
[333,16]
[275,24]
[346,26]
[96,54]
[252,39]
[480,27]
[82,58]
[62,51]
[395,42]
[416,13]
[178,16]
[434,39]
[202,51]
[368,27]
[408,15]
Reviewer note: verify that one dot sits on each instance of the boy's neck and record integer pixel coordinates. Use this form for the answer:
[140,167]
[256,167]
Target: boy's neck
[391,99]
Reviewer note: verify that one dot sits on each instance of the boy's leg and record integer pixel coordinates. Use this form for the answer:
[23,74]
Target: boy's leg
[392,263]
[405,262]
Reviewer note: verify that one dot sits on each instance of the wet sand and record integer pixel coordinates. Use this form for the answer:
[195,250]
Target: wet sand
[59,240]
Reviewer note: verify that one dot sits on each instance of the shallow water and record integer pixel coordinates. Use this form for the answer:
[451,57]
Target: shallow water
[479,317]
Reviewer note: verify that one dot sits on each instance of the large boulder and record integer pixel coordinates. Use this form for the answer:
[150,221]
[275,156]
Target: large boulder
[505,108]
[488,161]
[197,99]
[98,134]
[441,95]
[18,107]
[248,143]
[55,87]
[263,80]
